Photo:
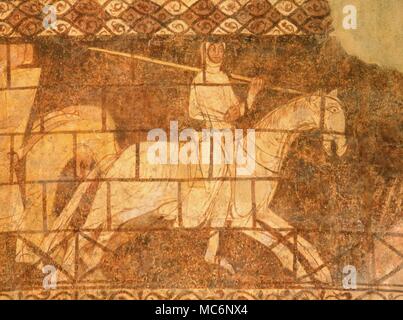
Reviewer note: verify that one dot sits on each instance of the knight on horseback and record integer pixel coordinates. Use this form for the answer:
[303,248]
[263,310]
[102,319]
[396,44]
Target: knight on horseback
[213,101]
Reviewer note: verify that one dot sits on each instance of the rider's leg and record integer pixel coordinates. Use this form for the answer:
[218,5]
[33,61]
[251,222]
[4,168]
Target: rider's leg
[220,208]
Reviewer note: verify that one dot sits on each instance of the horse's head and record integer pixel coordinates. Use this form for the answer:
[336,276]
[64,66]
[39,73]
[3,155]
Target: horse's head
[334,123]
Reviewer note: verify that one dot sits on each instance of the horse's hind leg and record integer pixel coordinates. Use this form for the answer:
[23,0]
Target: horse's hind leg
[93,245]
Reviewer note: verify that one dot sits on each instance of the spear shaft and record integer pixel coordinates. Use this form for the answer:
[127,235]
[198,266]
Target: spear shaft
[180,66]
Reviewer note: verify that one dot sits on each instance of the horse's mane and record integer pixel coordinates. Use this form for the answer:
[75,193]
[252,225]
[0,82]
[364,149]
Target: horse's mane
[272,119]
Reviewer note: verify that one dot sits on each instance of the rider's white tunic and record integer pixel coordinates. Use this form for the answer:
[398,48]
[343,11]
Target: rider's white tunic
[211,96]
[210,102]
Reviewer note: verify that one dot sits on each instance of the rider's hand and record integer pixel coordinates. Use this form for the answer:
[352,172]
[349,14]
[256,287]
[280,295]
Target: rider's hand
[232,114]
[256,86]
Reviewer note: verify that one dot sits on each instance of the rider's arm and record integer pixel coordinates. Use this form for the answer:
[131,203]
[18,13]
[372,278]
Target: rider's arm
[238,109]
[195,111]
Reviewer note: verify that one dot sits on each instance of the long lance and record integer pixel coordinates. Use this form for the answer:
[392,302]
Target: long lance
[182,67]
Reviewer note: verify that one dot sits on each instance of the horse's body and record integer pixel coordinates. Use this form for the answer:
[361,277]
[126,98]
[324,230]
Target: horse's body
[241,203]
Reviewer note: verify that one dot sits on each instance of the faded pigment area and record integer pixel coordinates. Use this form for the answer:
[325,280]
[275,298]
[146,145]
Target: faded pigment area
[379,34]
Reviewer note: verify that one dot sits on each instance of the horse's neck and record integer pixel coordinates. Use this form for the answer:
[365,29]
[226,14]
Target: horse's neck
[283,126]
[296,115]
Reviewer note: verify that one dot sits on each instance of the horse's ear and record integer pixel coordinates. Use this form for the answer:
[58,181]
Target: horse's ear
[333,93]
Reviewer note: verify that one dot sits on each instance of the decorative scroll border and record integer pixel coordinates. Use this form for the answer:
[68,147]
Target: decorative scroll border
[200,294]
[25,18]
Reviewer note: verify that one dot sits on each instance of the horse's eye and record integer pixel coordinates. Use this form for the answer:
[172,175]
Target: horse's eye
[333,109]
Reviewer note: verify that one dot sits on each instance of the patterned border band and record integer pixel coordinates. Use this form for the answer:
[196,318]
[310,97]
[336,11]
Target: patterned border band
[165,17]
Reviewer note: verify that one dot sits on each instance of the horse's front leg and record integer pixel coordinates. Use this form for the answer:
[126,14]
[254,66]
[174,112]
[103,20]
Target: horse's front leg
[211,253]
[308,257]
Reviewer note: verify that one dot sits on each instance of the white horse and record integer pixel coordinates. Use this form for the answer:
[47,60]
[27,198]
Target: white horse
[123,202]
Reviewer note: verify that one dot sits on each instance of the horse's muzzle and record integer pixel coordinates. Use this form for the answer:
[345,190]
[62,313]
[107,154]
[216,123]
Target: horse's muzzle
[335,145]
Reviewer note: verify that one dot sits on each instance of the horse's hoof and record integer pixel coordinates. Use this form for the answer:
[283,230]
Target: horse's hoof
[226,265]
[221,262]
